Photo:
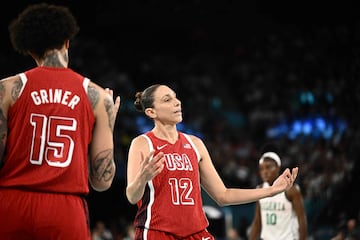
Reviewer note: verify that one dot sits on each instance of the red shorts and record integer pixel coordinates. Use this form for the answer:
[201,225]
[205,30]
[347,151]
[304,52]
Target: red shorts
[147,234]
[34,215]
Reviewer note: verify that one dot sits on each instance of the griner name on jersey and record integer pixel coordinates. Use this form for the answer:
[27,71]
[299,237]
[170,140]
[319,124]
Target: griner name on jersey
[175,161]
[46,96]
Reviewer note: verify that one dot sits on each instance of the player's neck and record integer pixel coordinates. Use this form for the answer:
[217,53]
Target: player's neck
[54,58]
[169,134]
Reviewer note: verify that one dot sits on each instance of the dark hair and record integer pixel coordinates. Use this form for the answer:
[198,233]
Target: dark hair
[41,27]
[145,99]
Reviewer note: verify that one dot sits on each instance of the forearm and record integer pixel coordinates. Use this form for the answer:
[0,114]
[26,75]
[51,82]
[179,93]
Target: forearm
[302,230]
[254,232]
[253,235]
[234,196]
[135,190]
[102,171]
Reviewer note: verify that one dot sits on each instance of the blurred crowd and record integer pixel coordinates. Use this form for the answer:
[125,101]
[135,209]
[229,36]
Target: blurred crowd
[233,90]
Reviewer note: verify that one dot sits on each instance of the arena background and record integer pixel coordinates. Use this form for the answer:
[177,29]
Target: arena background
[248,74]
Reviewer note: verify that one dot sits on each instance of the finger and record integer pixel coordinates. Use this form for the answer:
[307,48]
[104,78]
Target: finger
[159,169]
[158,157]
[109,91]
[287,173]
[288,176]
[295,172]
[117,103]
[150,156]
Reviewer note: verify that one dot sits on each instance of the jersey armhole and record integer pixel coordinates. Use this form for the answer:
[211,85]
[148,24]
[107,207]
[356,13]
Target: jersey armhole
[23,79]
[151,146]
[193,146]
[86,84]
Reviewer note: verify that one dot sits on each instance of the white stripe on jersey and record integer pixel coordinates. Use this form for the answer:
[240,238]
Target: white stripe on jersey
[152,193]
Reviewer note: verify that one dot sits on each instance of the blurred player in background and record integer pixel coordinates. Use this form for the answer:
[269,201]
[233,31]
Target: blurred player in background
[282,216]
[56,133]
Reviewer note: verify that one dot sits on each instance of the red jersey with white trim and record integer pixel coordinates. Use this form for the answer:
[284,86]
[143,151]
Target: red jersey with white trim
[50,126]
[172,200]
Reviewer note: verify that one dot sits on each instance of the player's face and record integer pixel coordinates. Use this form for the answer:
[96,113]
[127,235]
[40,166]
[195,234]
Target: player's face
[269,170]
[167,106]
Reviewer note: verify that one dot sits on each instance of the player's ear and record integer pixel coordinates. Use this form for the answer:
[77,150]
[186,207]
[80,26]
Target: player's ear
[150,112]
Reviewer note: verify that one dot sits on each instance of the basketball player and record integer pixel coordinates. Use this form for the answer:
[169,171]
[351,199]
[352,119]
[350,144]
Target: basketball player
[282,216]
[166,170]
[50,115]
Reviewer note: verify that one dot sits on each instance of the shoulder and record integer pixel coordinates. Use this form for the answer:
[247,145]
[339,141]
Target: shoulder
[195,139]
[95,85]
[10,87]
[10,79]
[139,141]
[94,88]
[140,144]
[293,192]
[97,94]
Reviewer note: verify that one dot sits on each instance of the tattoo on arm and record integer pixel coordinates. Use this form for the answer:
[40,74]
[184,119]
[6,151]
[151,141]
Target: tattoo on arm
[93,96]
[3,125]
[102,168]
[109,106]
[3,136]
[15,91]
[2,92]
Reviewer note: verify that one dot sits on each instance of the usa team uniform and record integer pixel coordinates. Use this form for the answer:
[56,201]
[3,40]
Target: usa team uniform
[171,207]
[45,172]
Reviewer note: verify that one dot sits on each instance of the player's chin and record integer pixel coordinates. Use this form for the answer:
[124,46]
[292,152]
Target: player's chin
[179,118]
[266,179]
[179,121]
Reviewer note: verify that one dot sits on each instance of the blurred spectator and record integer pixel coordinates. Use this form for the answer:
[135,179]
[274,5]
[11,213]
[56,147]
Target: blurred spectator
[130,232]
[101,232]
[349,231]
[232,234]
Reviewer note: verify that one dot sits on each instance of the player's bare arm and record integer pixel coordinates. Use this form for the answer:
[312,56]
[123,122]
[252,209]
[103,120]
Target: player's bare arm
[3,123]
[102,165]
[224,196]
[294,195]
[9,91]
[143,166]
[255,227]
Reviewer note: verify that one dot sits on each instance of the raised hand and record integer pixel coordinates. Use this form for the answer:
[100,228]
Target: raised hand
[112,113]
[286,180]
[151,165]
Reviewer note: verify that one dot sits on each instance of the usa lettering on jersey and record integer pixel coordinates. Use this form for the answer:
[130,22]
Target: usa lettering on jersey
[175,161]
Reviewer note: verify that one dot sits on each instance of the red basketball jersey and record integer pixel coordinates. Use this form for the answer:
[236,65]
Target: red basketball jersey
[172,200]
[50,127]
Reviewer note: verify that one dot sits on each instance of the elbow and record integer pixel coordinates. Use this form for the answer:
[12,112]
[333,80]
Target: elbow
[100,186]
[101,180]
[220,201]
[131,201]
[131,198]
